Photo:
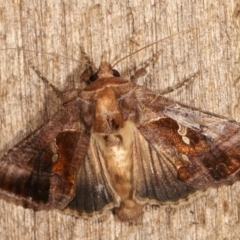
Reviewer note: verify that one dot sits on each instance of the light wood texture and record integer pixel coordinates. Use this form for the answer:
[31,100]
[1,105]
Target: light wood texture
[109,30]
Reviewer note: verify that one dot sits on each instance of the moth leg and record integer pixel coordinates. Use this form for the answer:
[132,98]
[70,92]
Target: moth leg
[142,71]
[89,71]
[139,73]
[65,95]
[185,81]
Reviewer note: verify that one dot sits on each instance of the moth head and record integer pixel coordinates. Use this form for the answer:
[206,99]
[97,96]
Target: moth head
[105,71]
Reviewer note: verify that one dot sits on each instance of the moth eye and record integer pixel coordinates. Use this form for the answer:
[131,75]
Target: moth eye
[94,77]
[116,73]
[114,125]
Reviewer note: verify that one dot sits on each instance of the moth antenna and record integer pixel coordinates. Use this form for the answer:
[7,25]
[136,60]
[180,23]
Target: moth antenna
[48,53]
[151,44]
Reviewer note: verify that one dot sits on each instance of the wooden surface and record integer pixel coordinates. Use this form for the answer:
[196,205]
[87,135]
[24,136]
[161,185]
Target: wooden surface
[207,56]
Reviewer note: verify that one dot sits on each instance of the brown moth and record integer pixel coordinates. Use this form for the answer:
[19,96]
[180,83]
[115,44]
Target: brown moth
[117,145]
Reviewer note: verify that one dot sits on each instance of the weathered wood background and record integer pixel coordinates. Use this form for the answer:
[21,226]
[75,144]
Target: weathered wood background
[208,55]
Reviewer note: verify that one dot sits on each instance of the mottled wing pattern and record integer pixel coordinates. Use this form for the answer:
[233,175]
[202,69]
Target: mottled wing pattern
[154,173]
[178,149]
[216,146]
[172,150]
[40,171]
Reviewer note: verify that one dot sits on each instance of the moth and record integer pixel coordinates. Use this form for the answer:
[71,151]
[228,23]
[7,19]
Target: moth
[117,145]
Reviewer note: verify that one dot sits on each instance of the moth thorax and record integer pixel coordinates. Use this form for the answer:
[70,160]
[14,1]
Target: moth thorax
[108,117]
